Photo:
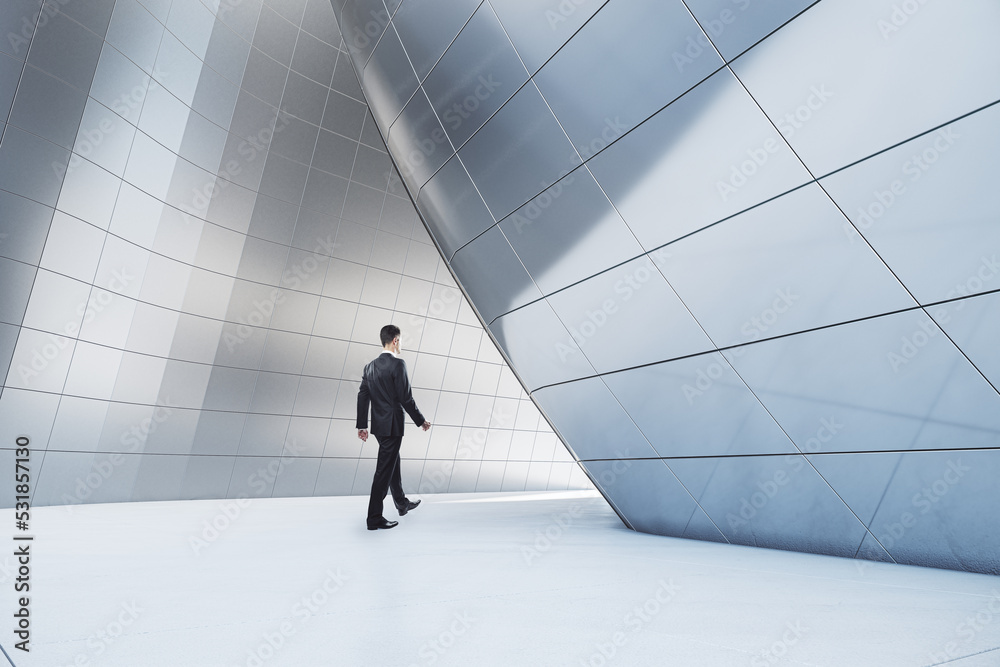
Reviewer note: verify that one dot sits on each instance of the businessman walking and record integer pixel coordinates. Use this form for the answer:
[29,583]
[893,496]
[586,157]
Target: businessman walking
[386,388]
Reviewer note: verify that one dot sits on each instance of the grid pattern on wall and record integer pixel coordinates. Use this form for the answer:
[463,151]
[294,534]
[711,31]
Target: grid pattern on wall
[742,255]
[201,234]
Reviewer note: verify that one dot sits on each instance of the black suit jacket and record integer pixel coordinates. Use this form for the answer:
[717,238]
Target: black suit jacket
[386,388]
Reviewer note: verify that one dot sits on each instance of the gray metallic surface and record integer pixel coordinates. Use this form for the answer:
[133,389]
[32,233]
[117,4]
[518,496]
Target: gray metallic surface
[807,360]
[201,234]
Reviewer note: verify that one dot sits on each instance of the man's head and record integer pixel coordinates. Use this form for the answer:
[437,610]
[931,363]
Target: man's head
[388,334]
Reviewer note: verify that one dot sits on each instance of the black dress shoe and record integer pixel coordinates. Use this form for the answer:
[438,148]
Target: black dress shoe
[384,523]
[410,505]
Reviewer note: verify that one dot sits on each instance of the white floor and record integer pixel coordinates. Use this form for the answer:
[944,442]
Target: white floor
[488,579]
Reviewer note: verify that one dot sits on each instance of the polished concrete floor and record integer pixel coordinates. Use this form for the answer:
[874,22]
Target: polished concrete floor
[489,579]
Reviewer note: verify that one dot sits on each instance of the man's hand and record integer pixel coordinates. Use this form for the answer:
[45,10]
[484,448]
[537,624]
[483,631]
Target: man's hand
[426,425]
[363,434]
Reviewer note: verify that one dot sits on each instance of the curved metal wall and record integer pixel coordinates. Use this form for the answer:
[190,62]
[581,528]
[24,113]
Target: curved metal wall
[742,254]
[200,236]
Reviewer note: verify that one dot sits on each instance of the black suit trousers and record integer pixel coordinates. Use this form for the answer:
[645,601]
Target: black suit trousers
[387,477]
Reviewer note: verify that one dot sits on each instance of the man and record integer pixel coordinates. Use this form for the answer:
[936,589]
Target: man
[385,386]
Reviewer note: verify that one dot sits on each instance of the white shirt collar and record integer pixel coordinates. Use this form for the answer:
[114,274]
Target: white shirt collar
[392,353]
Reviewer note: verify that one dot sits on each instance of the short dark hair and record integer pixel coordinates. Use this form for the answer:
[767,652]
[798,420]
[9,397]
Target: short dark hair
[388,333]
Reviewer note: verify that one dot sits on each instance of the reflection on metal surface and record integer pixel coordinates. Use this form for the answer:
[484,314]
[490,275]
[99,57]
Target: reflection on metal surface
[761,311]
